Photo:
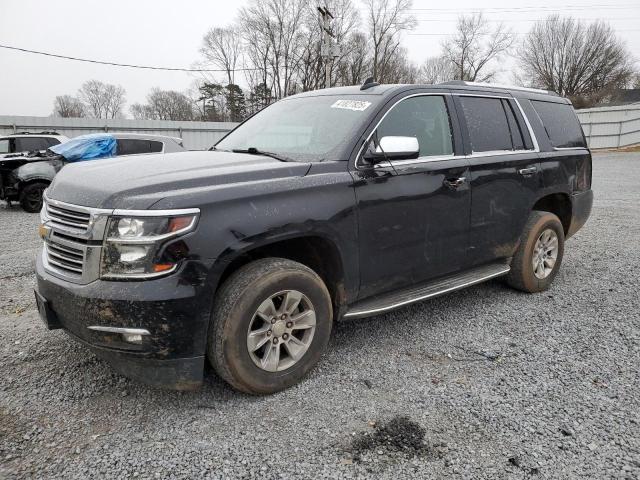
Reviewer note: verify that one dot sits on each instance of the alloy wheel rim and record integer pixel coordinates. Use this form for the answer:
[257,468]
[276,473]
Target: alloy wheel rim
[281,331]
[545,254]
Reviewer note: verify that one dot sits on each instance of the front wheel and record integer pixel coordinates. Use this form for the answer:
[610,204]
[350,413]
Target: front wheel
[538,258]
[31,196]
[271,322]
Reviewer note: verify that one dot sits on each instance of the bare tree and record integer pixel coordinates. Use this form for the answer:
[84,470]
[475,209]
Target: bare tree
[355,64]
[114,100]
[102,100]
[386,21]
[273,29]
[436,70]
[222,47]
[164,105]
[583,62]
[474,46]
[67,106]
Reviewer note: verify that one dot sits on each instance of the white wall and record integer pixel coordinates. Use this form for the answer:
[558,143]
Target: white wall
[611,127]
[195,135]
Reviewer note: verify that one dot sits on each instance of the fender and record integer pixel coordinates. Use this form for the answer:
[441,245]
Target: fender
[37,171]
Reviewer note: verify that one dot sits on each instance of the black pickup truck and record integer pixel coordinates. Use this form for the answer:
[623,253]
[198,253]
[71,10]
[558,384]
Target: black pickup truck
[328,205]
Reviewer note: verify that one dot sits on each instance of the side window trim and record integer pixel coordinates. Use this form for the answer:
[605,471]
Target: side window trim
[424,159]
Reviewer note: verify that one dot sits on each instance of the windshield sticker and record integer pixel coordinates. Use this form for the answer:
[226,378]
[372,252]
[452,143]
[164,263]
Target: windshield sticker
[355,105]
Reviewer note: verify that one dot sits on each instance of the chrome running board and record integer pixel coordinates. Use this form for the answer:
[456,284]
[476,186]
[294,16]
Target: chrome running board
[390,301]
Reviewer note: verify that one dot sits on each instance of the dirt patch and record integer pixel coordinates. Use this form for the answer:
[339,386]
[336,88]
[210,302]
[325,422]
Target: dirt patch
[400,434]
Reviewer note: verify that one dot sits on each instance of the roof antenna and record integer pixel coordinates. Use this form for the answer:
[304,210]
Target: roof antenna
[369,83]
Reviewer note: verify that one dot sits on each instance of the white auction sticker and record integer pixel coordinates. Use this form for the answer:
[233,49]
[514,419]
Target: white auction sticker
[356,105]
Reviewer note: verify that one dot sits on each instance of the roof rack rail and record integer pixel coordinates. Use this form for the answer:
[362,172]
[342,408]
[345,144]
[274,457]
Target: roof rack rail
[498,85]
[369,83]
[46,132]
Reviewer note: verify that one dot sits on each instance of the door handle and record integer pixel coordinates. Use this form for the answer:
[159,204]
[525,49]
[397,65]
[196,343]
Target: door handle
[528,171]
[454,183]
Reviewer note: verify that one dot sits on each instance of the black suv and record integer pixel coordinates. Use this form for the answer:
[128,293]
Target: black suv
[327,205]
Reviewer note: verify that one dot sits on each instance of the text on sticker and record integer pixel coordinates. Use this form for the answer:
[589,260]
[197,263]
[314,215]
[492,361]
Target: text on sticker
[357,105]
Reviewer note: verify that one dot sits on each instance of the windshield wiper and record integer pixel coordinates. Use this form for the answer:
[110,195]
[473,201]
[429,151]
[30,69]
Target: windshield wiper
[255,151]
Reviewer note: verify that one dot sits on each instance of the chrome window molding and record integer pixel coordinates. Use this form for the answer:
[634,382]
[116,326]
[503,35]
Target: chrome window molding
[560,149]
[534,139]
[439,158]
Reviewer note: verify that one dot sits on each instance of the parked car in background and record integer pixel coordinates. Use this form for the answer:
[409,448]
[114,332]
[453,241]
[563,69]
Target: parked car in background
[24,142]
[23,177]
[339,203]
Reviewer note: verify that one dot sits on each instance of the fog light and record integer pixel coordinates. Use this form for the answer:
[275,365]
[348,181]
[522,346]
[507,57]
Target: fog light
[132,338]
[43,231]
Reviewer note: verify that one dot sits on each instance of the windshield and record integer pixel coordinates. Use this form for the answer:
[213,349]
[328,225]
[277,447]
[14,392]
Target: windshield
[304,129]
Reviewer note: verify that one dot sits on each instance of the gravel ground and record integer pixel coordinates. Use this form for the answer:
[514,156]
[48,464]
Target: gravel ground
[482,383]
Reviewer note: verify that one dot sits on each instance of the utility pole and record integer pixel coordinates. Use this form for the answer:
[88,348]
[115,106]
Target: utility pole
[326,50]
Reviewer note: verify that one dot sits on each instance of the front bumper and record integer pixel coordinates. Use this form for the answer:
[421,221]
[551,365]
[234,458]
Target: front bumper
[174,310]
[581,204]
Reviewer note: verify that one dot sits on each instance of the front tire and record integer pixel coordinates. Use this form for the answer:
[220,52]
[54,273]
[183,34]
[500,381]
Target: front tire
[31,196]
[539,255]
[270,325]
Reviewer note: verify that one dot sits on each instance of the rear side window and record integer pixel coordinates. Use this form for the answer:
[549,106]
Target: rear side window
[487,124]
[561,124]
[4,146]
[155,147]
[133,146]
[28,144]
[426,118]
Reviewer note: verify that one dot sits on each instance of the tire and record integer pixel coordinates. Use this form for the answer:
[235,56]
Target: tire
[523,276]
[31,196]
[235,317]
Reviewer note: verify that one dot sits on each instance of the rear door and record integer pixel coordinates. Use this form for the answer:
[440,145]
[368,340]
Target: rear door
[504,173]
[413,216]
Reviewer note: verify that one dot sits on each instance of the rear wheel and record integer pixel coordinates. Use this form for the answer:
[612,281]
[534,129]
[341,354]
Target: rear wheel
[271,322]
[31,196]
[538,258]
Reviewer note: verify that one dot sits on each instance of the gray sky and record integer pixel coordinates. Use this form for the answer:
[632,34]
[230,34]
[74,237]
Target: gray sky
[168,33]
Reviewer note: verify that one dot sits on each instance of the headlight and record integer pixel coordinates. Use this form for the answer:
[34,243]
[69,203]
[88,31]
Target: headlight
[136,246]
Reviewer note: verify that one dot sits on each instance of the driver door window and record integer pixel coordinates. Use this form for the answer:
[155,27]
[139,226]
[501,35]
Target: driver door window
[426,118]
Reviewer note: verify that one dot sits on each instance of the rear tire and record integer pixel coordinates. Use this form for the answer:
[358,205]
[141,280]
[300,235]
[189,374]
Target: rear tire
[539,256]
[31,196]
[270,325]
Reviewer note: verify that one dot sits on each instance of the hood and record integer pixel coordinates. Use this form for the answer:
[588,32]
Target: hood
[137,182]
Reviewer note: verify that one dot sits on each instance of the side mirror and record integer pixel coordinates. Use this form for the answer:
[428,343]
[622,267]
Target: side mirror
[394,148]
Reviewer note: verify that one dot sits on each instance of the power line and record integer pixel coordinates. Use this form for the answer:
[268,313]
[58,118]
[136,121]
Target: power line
[127,65]
[517,33]
[529,8]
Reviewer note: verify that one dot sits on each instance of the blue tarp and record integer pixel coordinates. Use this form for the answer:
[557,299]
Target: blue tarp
[87,147]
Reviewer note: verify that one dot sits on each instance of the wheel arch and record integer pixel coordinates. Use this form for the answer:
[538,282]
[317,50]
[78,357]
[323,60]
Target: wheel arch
[559,204]
[316,251]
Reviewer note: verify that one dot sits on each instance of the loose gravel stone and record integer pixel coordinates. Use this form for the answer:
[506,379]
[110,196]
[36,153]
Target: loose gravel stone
[502,384]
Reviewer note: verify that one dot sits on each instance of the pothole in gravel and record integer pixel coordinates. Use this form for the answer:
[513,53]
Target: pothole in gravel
[398,435]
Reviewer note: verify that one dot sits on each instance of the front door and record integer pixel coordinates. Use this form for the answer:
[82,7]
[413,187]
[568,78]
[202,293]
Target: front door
[413,214]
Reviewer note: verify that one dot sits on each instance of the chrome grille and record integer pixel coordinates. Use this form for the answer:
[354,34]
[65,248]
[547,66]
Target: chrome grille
[73,244]
[68,218]
[63,257]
